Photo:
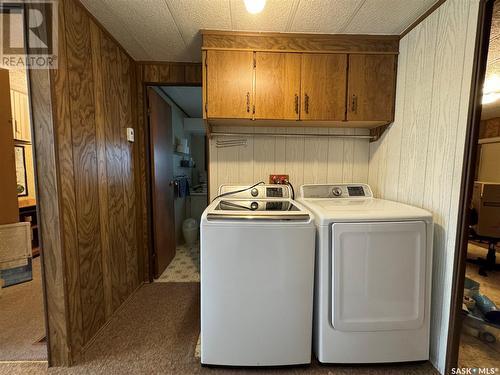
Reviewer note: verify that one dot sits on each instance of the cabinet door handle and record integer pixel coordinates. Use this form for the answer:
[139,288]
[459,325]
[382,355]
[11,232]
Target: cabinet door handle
[354,104]
[248,102]
[296,104]
[306,103]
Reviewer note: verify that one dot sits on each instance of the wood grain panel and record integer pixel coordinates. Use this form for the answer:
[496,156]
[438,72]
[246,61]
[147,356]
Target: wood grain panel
[419,158]
[86,177]
[142,178]
[63,132]
[55,281]
[323,85]
[280,42]
[370,92]
[126,121]
[230,78]
[277,86]
[165,73]
[80,81]
[102,167]
[193,74]
[111,70]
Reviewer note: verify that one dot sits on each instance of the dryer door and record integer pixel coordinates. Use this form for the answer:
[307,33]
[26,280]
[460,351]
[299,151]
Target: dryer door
[378,275]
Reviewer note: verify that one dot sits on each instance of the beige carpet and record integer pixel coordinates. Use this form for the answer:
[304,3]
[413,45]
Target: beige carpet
[474,352]
[156,333]
[22,321]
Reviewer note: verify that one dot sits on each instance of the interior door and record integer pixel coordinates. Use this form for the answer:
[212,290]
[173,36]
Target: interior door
[371,87]
[378,276]
[229,84]
[323,87]
[277,85]
[162,187]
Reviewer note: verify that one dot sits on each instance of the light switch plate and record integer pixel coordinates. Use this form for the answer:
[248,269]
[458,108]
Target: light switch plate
[130,134]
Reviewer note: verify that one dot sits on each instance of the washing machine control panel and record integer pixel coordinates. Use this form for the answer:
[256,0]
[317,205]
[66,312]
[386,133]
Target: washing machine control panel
[336,191]
[260,191]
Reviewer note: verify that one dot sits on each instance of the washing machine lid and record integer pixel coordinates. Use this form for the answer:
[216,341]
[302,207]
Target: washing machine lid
[258,209]
[362,209]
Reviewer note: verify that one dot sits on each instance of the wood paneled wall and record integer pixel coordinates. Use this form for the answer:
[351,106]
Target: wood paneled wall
[147,73]
[93,96]
[490,128]
[305,159]
[419,158]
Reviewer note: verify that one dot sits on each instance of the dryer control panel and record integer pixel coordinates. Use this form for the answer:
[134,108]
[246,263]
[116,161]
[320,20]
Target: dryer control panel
[336,191]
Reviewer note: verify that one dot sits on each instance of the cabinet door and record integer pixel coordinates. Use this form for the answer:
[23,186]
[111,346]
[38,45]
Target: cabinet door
[24,117]
[17,114]
[229,84]
[371,87]
[277,85]
[13,113]
[323,86]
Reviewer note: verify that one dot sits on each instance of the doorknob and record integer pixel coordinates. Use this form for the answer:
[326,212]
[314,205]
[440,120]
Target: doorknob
[171,183]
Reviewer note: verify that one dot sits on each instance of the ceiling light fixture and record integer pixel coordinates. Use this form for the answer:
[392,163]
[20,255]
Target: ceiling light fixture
[491,89]
[254,6]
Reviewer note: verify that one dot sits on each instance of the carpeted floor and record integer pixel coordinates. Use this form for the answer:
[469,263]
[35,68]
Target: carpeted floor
[156,333]
[474,352]
[22,322]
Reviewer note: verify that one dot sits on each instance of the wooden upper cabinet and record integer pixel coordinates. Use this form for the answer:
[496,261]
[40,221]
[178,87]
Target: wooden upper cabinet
[323,87]
[20,116]
[277,86]
[371,87]
[229,79]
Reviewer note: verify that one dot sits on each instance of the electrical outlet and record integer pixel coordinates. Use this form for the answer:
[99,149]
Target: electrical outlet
[130,134]
[278,179]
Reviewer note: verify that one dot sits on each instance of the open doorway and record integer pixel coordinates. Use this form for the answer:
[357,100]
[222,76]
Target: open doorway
[177,150]
[475,319]
[22,321]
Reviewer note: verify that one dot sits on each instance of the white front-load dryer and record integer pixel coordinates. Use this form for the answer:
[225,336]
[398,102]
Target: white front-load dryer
[372,276]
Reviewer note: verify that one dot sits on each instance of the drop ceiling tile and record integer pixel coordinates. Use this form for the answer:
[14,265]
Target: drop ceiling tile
[387,16]
[107,18]
[153,27]
[323,16]
[274,17]
[193,15]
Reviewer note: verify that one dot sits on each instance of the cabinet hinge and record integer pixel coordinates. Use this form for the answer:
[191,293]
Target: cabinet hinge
[206,107]
[254,61]
[253,109]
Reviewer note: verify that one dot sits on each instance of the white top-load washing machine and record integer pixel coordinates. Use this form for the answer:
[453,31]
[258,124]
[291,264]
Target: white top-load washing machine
[373,276]
[257,278]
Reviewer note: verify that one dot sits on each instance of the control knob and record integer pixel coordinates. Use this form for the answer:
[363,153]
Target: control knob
[254,192]
[337,191]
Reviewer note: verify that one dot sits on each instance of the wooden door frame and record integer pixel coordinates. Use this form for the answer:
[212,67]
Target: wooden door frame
[467,182]
[146,166]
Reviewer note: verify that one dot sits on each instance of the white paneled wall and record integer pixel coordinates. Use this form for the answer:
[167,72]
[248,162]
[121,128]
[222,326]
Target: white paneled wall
[419,158]
[305,159]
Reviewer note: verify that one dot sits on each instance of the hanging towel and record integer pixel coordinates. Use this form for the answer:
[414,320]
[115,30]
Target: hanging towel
[182,185]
